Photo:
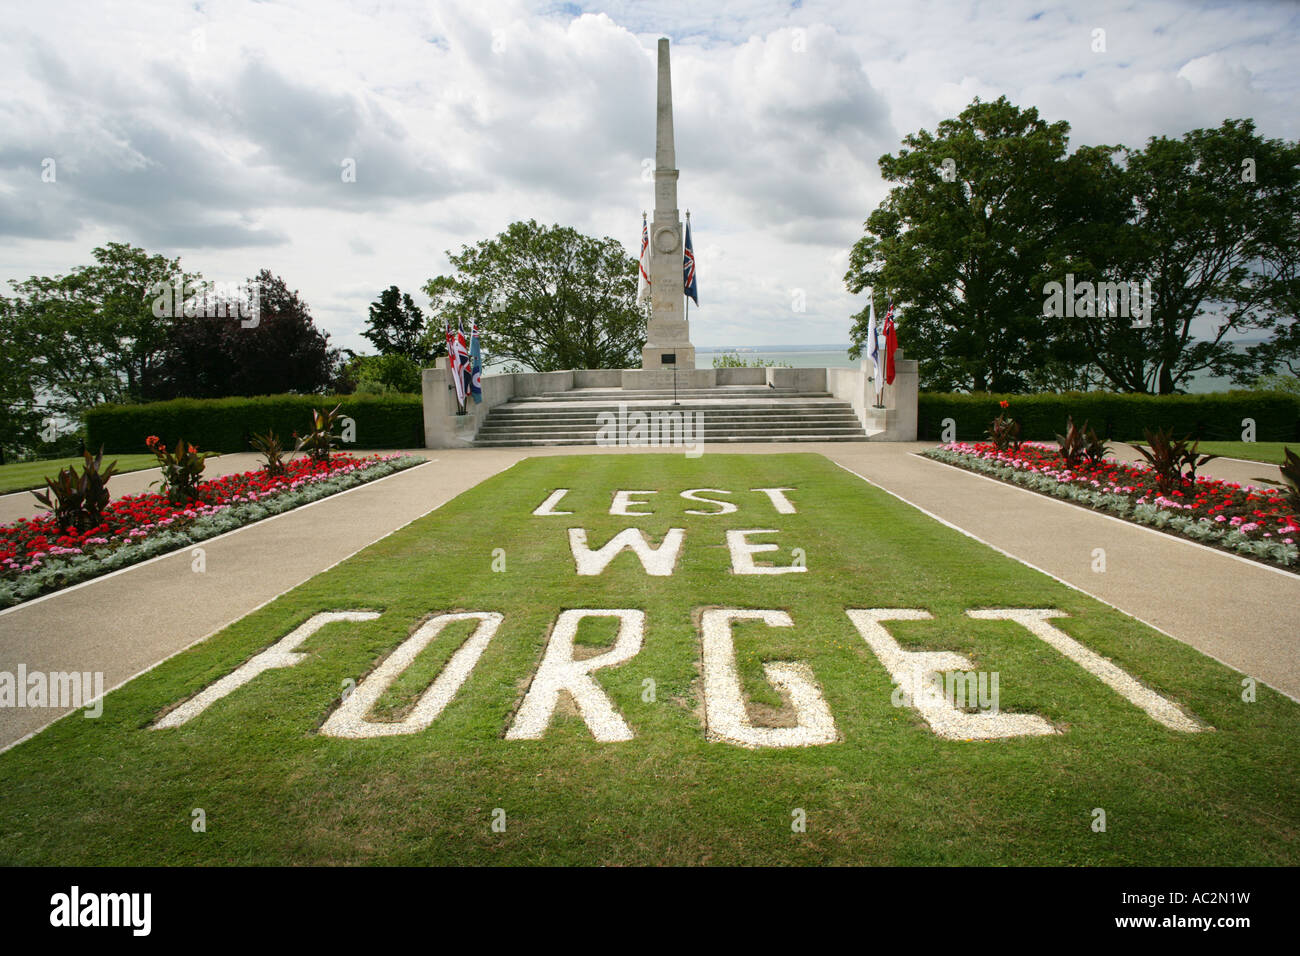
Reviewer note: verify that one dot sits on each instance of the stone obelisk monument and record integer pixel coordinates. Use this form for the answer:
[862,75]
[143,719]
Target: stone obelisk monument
[668,340]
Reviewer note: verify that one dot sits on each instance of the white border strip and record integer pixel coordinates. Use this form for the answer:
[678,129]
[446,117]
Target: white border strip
[1068,584]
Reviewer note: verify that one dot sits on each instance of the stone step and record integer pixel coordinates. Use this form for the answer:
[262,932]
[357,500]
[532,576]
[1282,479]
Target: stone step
[727,415]
[685,405]
[708,440]
[730,434]
[592,421]
[615,395]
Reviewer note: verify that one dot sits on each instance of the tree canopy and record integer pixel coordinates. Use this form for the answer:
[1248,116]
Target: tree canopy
[545,297]
[992,208]
[282,350]
[397,326]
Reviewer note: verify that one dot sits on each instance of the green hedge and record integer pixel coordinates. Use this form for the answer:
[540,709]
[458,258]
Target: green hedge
[1215,416]
[226,424]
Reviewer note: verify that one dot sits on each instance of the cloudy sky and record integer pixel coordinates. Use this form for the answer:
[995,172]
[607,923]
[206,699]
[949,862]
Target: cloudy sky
[218,130]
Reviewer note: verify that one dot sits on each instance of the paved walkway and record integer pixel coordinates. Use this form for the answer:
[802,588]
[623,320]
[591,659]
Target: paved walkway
[126,622]
[1242,613]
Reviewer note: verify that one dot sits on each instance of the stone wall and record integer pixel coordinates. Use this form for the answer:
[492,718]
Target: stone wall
[443,428]
[897,420]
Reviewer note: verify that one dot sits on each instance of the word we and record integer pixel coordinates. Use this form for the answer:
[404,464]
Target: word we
[661,561]
[726,718]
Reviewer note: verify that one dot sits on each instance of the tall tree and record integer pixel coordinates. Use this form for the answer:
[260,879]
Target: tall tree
[396,326]
[1212,228]
[961,242]
[19,414]
[1278,358]
[94,334]
[547,297]
[282,351]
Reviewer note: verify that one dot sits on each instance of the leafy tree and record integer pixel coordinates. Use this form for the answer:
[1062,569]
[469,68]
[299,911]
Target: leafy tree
[1212,227]
[547,297]
[282,351]
[396,326]
[378,374]
[93,335]
[19,416]
[961,243]
[1277,361]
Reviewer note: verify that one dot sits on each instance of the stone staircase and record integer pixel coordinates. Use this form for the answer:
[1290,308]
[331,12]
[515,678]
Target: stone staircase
[728,413]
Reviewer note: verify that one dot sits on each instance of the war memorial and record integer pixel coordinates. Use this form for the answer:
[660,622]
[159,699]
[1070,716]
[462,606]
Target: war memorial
[668,395]
[648,617]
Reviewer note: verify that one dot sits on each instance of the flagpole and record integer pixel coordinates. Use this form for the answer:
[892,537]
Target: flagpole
[687,315]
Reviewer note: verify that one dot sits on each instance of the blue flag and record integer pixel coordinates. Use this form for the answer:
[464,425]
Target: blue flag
[476,365]
[688,267]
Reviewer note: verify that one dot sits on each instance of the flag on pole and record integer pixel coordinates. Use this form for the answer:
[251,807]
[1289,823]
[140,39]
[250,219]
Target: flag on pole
[873,349]
[476,365]
[459,355]
[643,284]
[891,344]
[452,369]
[688,266]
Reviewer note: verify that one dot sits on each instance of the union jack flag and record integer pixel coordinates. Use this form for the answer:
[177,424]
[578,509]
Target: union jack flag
[688,268]
[643,284]
[459,361]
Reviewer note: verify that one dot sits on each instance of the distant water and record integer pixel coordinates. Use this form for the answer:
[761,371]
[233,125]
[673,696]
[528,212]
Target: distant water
[832,357]
[795,359]
[1199,383]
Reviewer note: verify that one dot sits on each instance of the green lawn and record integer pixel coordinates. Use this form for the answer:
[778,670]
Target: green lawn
[889,791]
[25,475]
[1267,451]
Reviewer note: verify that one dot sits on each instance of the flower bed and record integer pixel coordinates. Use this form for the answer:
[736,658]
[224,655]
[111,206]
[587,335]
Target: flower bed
[36,556]
[1256,522]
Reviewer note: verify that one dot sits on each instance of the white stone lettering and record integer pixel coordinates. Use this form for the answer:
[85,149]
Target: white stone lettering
[742,554]
[559,671]
[782,504]
[658,562]
[1036,621]
[913,670]
[724,507]
[547,507]
[623,501]
[724,702]
[350,719]
[283,653]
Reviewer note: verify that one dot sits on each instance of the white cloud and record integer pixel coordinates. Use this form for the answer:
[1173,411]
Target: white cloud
[217,131]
